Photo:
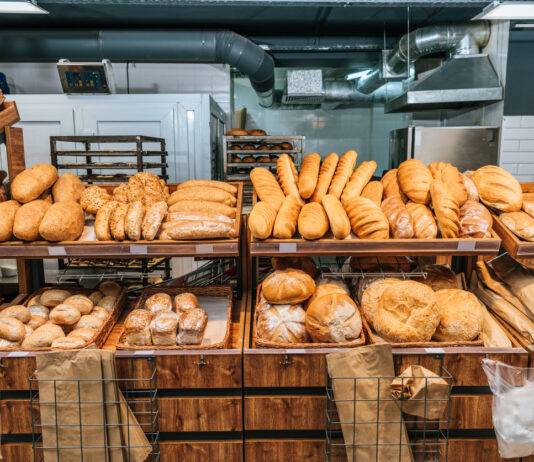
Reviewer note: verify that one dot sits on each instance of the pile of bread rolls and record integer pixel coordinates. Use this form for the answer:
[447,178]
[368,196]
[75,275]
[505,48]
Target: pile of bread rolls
[57,318]
[163,321]
[413,201]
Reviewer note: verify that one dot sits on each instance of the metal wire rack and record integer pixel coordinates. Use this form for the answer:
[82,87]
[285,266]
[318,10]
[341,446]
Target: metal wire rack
[380,435]
[64,434]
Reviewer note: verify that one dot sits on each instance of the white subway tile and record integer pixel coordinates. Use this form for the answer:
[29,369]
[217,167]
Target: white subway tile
[526,145]
[525,169]
[524,178]
[512,168]
[510,145]
[517,157]
[511,121]
[527,121]
[518,134]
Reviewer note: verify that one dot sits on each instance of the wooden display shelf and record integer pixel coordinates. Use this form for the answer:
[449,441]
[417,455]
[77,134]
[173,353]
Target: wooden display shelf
[9,115]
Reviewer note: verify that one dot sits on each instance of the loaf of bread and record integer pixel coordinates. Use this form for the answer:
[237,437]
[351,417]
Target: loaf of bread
[63,221]
[163,328]
[358,181]
[68,343]
[257,132]
[326,173]
[43,336]
[28,219]
[39,310]
[158,302]
[446,209]
[325,289]
[53,297]
[305,264]
[153,218]
[520,223]
[472,192]
[229,188]
[451,177]
[133,220]
[407,312]
[390,183]
[399,218]
[366,219]
[333,318]
[90,321]
[283,324]
[288,177]
[184,302]
[103,221]
[68,187]
[285,223]
[8,210]
[209,207]
[461,316]
[32,182]
[11,329]
[312,221]
[237,132]
[424,225]
[289,286]
[415,180]
[261,220]
[137,328]
[109,289]
[202,193]
[528,204]
[344,170]
[117,221]
[19,312]
[82,303]
[337,217]
[266,187]
[370,297]
[439,277]
[93,198]
[192,325]
[498,188]
[100,313]
[475,220]
[197,229]
[374,192]
[85,334]
[65,315]
[309,174]
[36,321]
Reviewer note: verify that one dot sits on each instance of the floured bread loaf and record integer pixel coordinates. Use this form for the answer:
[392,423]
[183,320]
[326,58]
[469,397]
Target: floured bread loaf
[439,277]
[283,324]
[371,297]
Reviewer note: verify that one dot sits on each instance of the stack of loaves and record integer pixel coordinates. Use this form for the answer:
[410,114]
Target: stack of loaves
[54,313]
[166,322]
[413,201]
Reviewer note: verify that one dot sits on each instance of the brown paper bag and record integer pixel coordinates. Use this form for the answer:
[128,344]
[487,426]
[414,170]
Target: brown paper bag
[373,365]
[423,393]
[133,435]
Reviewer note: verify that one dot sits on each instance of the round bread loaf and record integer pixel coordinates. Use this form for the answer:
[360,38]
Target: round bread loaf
[184,302]
[54,297]
[68,187]
[415,180]
[89,321]
[325,289]
[11,329]
[407,312]
[288,287]
[81,302]
[333,318]
[8,210]
[86,334]
[63,221]
[65,315]
[36,321]
[68,343]
[19,312]
[109,288]
[107,303]
[32,182]
[158,302]
[371,294]
[498,188]
[93,198]
[28,218]
[283,324]
[43,336]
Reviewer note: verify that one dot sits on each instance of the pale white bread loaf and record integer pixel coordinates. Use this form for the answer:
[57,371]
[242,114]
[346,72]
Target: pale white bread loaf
[229,188]
[282,324]
[520,223]
[89,321]
[163,328]
[81,302]
[65,315]
[43,336]
[137,328]
[11,329]
[192,325]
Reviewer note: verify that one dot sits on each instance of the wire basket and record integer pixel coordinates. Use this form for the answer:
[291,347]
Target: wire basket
[376,434]
[139,395]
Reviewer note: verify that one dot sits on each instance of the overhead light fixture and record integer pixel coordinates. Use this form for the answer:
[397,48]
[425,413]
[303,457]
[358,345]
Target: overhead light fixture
[357,75]
[20,7]
[507,11]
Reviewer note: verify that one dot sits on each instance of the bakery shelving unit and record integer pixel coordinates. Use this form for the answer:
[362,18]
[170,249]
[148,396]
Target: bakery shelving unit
[284,389]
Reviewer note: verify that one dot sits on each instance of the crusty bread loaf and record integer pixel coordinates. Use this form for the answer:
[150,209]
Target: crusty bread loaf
[36,321]
[288,287]
[520,223]
[32,182]
[266,187]
[325,289]
[158,302]
[451,178]
[390,183]
[305,264]
[19,312]
[333,318]
[209,207]
[197,229]
[8,210]
[461,316]
[358,181]
[102,221]
[415,180]
[163,328]
[370,297]
[446,209]
[192,325]
[68,187]
[90,321]
[68,343]
[344,170]
[374,192]
[82,303]
[184,302]
[424,225]
[43,336]
[312,221]
[11,329]
[202,193]
[237,132]
[28,217]
[407,312]
[39,310]
[337,217]
[475,220]
[528,204]
[65,315]
[63,221]
[399,217]
[326,173]
[229,188]
[153,218]
[93,198]
[287,177]
[54,297]
[498,188]
[133,220]
[366,219]
[439,277]
[472,192]
[117,221]
[261,220]
[285,223]
[137,328]
[283,324]
[86,334]
[309,174]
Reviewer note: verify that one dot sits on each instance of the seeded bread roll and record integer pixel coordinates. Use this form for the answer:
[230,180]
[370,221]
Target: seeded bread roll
[229,188]
[366,219]
[117,221]
[283,324]
[8,210]
[93,198]
[288,287]
[326,173]
[337,217]
[43,336]
[446,210]
[475,220]
[415,180]
[373,191]
[344,170]
[68,187]
[28,218]
[192,325]
[266,187]
[312,221]
[63,221]
[153,218]
[498,188]
[215,208]
[261,220]
[287,177]
[390,183]
[102,221]
[32,182]
[309,173]
[399,217]
[424,225]
[285,223]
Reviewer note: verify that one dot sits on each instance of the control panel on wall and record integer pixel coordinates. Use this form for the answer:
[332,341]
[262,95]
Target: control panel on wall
[86,77]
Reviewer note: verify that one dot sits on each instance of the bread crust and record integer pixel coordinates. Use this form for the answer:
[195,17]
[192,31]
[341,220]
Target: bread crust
[93,198]
[312,221]
[374,192]
[371,297]
[415,180]
[283,324]
[424,224]
[289,286]
[498,189]
[475,220]
[202,193]
[390,182]
[28,219]
[470,187]
[285,223]
[117,221]
[287,177]
[261,220]
[8,210]
[68,187]
[344,170]
[366,219]
[399,217]
[326,173]
[451,178]
[158,302]
[358,181]
[309,174]
[65,315]
[43,336]
[32,182]
[337,217]
[203,207]
[520,223]
[102,221]
[152,221]
[229,188]
[446,209]
[133,220]
[266,187]
[63,221]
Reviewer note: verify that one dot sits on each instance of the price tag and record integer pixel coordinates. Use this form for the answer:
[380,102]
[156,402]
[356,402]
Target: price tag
[434,350]
[138,249]
[466,246]
[295,351]
[204,249]
[18,354]
[57,251]
[143,352]
[287,247]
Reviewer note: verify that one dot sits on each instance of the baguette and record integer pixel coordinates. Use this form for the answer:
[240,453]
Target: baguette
[261,220]
[312,221]
[287,177]
[344,170]
[326,173]
[229,188]
[358,181]
[285,223]
[266,187]
[152,221]
[117,224]
[203,207]
[103,217]
[202,193]
[309,173]
[339,221]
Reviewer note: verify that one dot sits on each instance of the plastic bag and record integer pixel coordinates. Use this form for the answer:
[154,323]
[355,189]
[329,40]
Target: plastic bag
[513,404]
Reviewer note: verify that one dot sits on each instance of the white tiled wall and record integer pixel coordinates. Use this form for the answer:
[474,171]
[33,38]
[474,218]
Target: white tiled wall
[517,146]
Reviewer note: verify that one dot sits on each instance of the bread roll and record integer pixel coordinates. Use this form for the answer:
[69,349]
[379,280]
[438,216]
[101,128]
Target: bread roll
[32,182]
[344,170]
[287,177]
[53,297]
[8,210]
[390,183]
[373,191]
[266,187]
[326,173]
[370,297]
[325,289]
[446,210]
[358,181]
[117,221]
[192,325]
[520,223]
[11,329]
[229,188]
[109,288]
[305,264]
[100,313]
[107,303]
[36,321]
[184,302]
[93,198]
[120,193]
[461,316]
[65,315]
[337,217]
[407,312]
[333,318]
[134,220]
[63,221]
[137,328]
[309,173]
[208,207]
[415,180]
[424,225]
[472,193]
[285,223]
[202,193]
[399,217]
[163,328]
[39,310]
[283,324]
[257,132]
[261,220]
[366,219]
[95,297]
[528,203]
[153,218]
[28,218]
[288,287]
[68,343]
[86,334]
[89,321]
[439,277]
[451,178]
[312,221]
[498,188]
[237,132]
[68,187]
[19,312]
[475,220]
[82,303]
[43,336]
[103,219]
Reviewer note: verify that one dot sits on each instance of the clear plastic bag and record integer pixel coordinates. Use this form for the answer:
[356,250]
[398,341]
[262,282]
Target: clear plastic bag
[513,405]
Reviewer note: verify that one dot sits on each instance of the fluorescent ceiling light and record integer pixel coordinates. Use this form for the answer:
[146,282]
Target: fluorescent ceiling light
[20,7]
[357,75]
[507,11]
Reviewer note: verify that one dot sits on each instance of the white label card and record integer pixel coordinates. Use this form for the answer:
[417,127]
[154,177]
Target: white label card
[287,247]
[295,351]
[204,249]
[467,246]
[18,354]
[138,249]
[144,352]
[434,350]
[57,251]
